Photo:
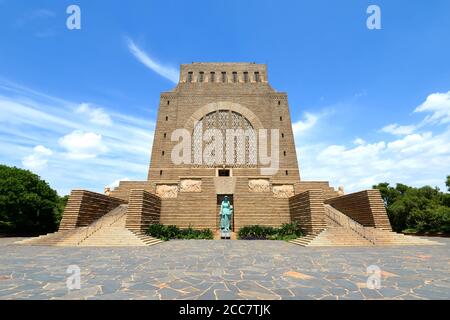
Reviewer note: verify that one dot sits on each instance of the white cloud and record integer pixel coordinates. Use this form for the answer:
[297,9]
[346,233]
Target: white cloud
[439,105]
[170,73]
[29,118]
[399,130]
[95,115]
[83,145]
[38,159]
[420,155]
[309,121]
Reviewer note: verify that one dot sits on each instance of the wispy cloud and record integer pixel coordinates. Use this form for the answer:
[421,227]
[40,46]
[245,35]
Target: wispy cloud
[40,21]
[309,121]
[439,105]
[417,154]
[167,72]
[95,115]
[399,130]
[38,159]
[69,144]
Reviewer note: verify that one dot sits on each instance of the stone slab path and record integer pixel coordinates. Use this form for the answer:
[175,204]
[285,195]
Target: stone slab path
[224,270]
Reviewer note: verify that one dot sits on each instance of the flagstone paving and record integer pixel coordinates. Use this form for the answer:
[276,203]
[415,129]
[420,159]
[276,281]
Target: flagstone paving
[224,270]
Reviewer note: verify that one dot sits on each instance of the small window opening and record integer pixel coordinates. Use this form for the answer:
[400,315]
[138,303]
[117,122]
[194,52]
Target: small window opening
[257,77]
[224,173]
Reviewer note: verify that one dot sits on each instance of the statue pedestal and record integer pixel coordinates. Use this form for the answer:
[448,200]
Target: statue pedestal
[225,234]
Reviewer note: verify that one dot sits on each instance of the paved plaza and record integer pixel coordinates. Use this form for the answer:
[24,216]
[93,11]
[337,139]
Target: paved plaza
[224,270]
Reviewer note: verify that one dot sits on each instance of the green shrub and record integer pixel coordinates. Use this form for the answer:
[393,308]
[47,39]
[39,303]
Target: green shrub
[173,232]
[285,232]
[256,232]
[190,233]
[27,203]
[434,220]
[290,229]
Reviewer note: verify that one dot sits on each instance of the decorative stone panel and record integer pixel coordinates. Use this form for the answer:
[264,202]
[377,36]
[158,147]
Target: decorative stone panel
[190,185]
[283,191]
[167,191]
[259,185]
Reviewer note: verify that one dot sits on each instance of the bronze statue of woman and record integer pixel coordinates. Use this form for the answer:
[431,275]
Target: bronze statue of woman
[226,213]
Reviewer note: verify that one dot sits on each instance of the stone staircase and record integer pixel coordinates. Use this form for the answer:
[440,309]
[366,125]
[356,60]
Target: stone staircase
[108,231]
[341,231]
[117,235]
[305,240]
[390,238]
[51,239]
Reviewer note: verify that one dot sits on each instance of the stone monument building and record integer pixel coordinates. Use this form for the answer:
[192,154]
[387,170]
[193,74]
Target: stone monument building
[257,168]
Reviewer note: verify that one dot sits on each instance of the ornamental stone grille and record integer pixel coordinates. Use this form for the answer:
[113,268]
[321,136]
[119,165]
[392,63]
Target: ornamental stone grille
[243,146]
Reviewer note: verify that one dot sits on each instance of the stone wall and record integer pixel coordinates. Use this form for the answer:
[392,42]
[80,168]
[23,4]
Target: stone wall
[308,210]
[365,207]
[85,207]
[196,209]
[258,208]
[124,188]
[328,192]
[144,209]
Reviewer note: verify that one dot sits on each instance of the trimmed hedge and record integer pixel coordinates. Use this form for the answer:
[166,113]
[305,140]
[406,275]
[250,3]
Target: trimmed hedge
[288,231]
[173,232]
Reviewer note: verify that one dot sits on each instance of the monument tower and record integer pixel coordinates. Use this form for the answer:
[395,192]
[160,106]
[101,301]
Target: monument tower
[223,133]
[224,96]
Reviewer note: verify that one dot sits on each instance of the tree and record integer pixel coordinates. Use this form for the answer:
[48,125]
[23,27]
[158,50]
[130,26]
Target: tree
[388,193]
[27,203]
[424,209]
[447,183]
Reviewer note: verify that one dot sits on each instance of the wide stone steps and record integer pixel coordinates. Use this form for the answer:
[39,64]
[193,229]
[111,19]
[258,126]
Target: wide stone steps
[333,237]
[117,235]
[389,238]
[50,239]
[108,231]
[337,235]
[305,240]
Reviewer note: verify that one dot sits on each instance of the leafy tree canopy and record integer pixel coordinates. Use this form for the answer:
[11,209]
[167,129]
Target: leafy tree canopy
[424,209]
[27,203]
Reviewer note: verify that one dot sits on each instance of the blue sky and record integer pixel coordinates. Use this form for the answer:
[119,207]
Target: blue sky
[78,107]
